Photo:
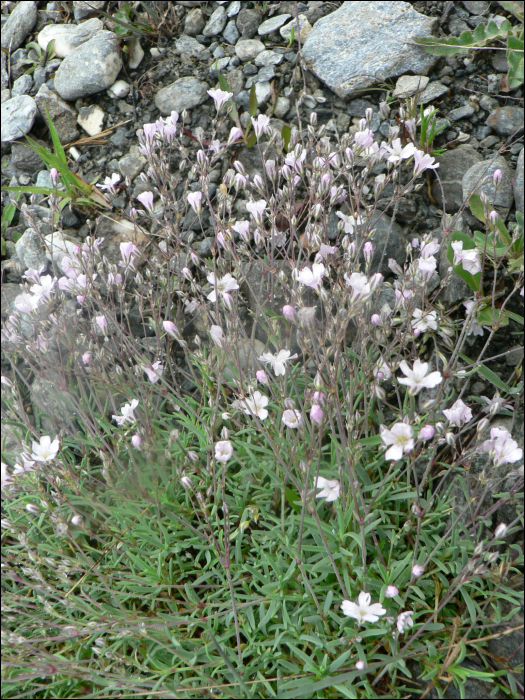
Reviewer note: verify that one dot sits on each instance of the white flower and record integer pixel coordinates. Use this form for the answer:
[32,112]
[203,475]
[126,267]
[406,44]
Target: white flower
[27,302]
[468,259]
[423,322]
[427,266]
[324,252]
[110,182]
[256,209]
[475,327]
[294,161]
[458,414]
[278,361]
[254,405]
[361,290]
[219,97]
[217,335]
[292,418]
[46,450]
[381,371]
[224,285]
[502,447]
[44,288]
[401,439]
[495,404]
[261,124]
[330,488]
[397,151]
[349,221]
[404,620]
[153,371]
[362,610]
[423,161]
[417,378]
[429,248]
[312,278]
[127,413]
[195,201]
[223,450]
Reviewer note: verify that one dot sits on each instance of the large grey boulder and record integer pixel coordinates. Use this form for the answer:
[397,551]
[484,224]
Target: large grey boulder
[478,179]
[363,43]
[452,166]
[90,68]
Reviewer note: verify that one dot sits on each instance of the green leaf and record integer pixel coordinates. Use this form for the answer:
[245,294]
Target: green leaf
[251,141]
[515,7]
[515,61]
[489,375]
[473,281]
[485,318]
[286,133]
[222,82]
[515,317]
[253,101]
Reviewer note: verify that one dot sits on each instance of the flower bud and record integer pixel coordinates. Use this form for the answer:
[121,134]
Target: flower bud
[493,217]
[289,312]
[369,113]
[483,425]
[316,414]
[32,508]
[186,482]
[77,520]
[225,433]
[492,557]
[426,432]
[368,251]
[478,549]
[450,439]
[384,110]
[496,177]
[53,174]
[375,320]
[418,570]
[269,166]
[391,591]
[136,441]
[500,531]
[360,665]
[376,281]
[313,118]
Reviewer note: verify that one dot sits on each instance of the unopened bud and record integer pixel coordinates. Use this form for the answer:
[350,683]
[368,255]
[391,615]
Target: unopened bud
[313,118]
[450,439]
[493,217]
[369,113]
[483,425]
[384,110]
[375,320]
[225,433]
[376,281]
[496,177]
[500,531]
[478,549]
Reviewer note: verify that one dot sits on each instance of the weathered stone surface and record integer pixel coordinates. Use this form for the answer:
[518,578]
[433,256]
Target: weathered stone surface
[432,92]
[29,250]
[304,29]
[248,49]
[84,8]
[248,22]
[388,239]
[24,159]
[506,120]
[132,164]
[18,117]
[184,93]
[478,179]
[216,23]
[63,116]
[22,85]
[20,22]
[363,43]
[90,68]
[194,22]
[91,119]
[407,85]
[270,25]
[452,166]
[189,45]
[68,36]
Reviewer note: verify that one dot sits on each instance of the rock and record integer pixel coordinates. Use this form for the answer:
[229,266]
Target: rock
[478,179]
[24,159]
[194,22]
[408,85]
[248,49]
[5,77]
[267,58]
[204,247]
[68,36]
[18,25]
[135,53]
[56,411]
[18,117]
[456,289]
[506,120]
[282,107]
[388,233]
[262,92]
[132,164]
[233,8]
[63,116]
[5,95]
[91,119]
[518,183]
[231,33]
[476,8]
[499,62]
[189,45]
[216,23]
[58,245]
[219,65]
[119,89]
[90,68]
[432,92]
[461,112]
[22,85]
[84,8]
[363,43]
[10,291]
[235,81]
[266,74]
[272,24]
[40,218]
[357,108]
[456,26]
[304,28]
[452,166]
[29,250]
[184,93]
[514,356]
[248,22]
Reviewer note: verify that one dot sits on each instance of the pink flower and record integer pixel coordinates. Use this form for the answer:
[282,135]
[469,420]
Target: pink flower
[375,319]
[292,418]
[364,138]
[360,665]
[195,201]
[128,250]
[254,405]
[400,438]
[312,278]
[136,441]
[426,432]
[324,252]
[53,174]
[350,222]
[475,327]
[316,414]
[153,371]
[418,570]
[146,198]
[171,329]
[102,323]
[417,378]
[360,285]
[423,161]
[424,322]
[220,97]
[217,335]
[262,376]
[235,133]
[86,357]
[427,267]
[26,303]
[289,312]
[391,591]
[458,414]
[223,450]
[502,448]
